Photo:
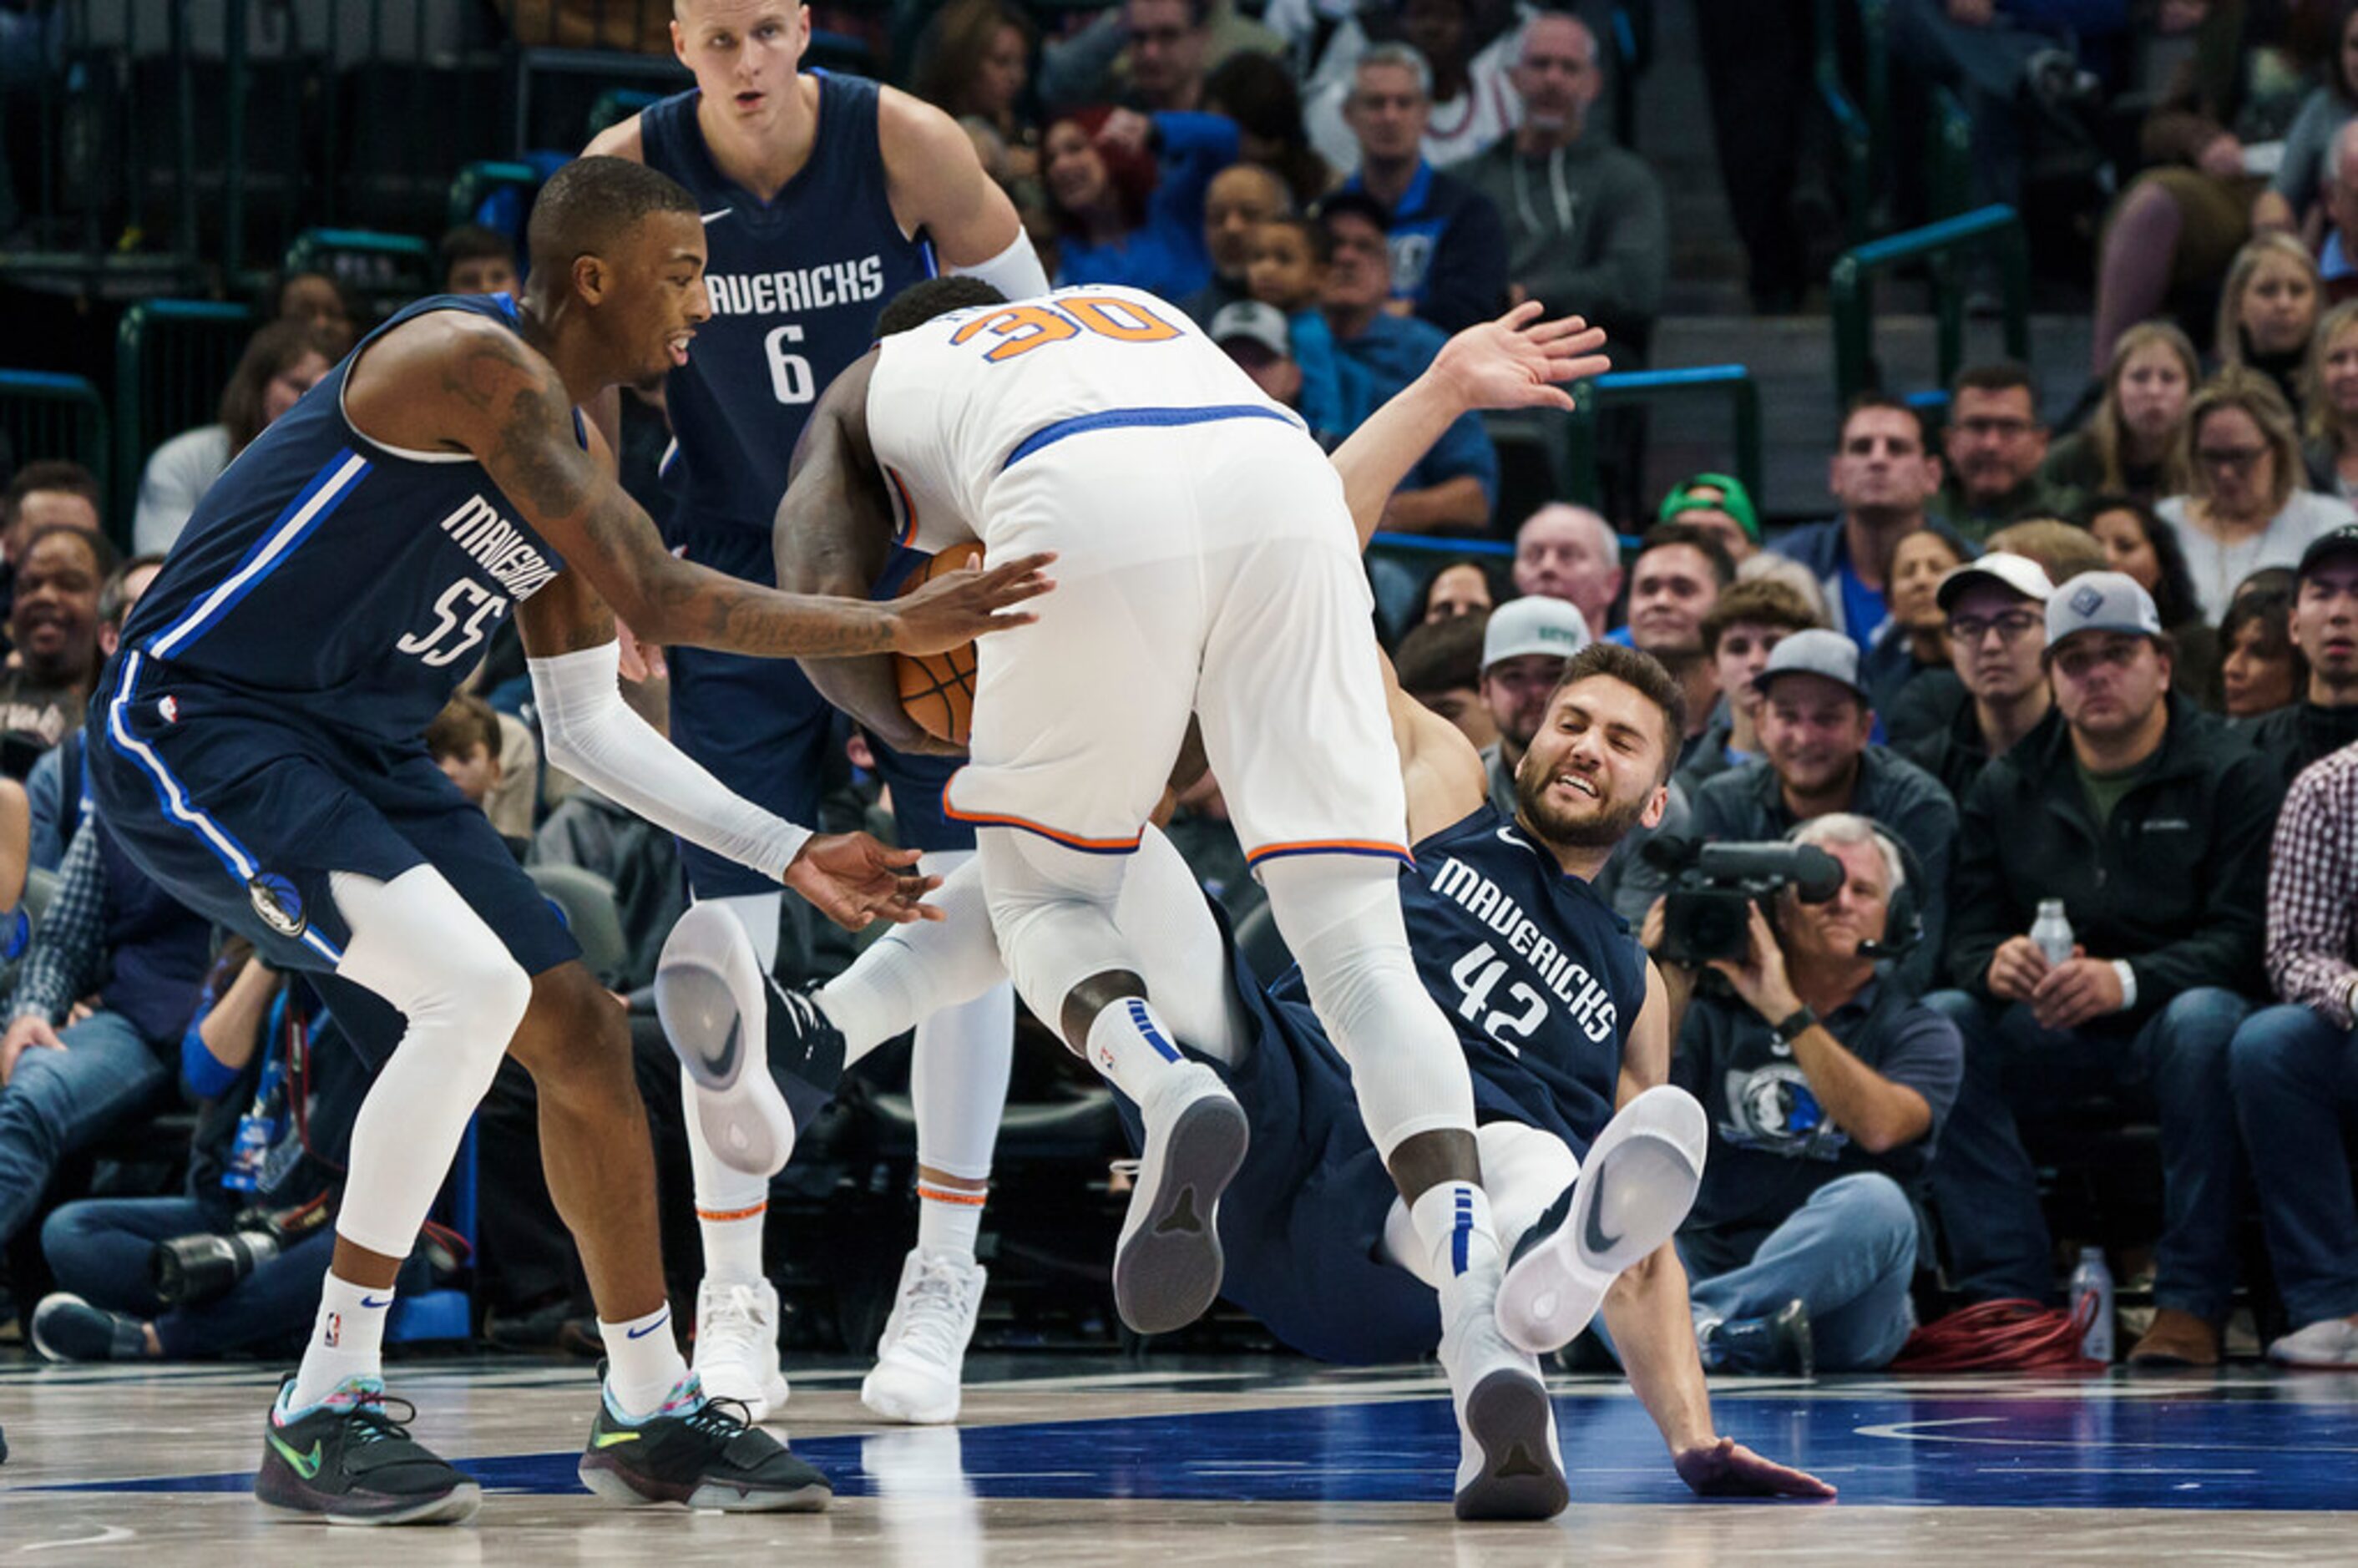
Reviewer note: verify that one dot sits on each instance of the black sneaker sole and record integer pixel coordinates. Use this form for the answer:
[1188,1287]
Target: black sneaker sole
[613,1483]
[286,1500]
[1167,1273]
[1506,1415]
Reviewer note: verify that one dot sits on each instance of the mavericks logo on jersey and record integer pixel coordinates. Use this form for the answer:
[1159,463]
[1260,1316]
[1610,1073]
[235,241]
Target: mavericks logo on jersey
[796,289]
[478,528]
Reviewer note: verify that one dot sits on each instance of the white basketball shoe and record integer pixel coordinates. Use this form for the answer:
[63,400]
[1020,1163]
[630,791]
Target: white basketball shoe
[923,1351]
[737,1346]
[1508,1464]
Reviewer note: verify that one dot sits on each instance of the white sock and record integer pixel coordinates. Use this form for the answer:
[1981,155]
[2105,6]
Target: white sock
[1452,1221]
[347,1341]
[731,1207]
[643,1363]
[1129,1045]
[949,1219]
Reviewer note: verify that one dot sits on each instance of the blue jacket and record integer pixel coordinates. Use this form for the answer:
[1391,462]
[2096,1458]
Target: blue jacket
[1449,250]
[1164,255]
[1394,351]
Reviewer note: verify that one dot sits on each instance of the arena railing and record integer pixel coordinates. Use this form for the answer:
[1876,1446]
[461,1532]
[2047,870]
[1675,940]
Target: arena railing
[1994,229]
[44,415]
[479,181]
[172,357]
[1728,384]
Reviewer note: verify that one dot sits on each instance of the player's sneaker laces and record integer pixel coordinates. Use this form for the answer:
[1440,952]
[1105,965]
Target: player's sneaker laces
[737,1346]
[740,1036]
[349,1460]
[923,1351]
[1640,1179]
[1168,1263]
[1508,1464]
[699,1450]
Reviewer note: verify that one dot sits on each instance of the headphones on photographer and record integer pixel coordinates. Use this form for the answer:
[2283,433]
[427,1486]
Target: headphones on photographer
[1903,914]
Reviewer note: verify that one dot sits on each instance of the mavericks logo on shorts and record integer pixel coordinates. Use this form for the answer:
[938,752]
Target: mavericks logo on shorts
[275,900]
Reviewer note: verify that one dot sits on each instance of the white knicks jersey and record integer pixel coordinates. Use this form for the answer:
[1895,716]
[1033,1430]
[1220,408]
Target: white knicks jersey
[958,400]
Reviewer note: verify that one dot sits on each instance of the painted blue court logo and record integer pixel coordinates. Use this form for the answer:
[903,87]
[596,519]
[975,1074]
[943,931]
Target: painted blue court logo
[275,900]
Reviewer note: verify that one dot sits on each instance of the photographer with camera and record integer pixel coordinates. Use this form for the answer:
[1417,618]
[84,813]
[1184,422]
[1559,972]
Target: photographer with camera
[2148,822]
[1826,1084]
[236,1263]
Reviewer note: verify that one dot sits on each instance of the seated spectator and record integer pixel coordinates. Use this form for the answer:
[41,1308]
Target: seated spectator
[1738,634]
[318,301]
[1395,349]
[258,1052]
[53,625]
[1767,566]
[2138,544]
[1915,640]
[1123,216]
[1524,644]
[1719,506]
[972,61]
[1585,230]
[1934,700]
[1260,94]
[1460,590]
[2150,822]
[43,494]
[1240,199]
[1677,575]
[2306,170]
[2322,718]
[2062,549]
[2245,508]
[1994,443]
[1815,758]
[2291,1067]
[477,260]
[1568,552]
[2130,445]
[53,790]
[1826,1084]
[281,363]
[1883,477]
[1448,247]
[2337,260]
[1287,268]
[2261,670]
[2267,310]
[111,932]
[1475,95]
[464,741]
[1995,610]
[2330,421]
[1440,664]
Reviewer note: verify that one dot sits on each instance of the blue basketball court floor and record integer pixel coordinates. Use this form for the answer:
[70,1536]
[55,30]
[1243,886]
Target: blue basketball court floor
[1066,1459]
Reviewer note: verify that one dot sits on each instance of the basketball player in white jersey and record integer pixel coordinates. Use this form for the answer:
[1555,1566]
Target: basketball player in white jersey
[1209,569]
[822,196]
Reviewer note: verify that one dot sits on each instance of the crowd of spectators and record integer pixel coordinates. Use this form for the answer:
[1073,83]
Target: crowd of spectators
[2015,655]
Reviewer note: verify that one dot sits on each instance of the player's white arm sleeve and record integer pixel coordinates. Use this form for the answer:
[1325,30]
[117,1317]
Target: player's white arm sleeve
[1015,272]
[591,733]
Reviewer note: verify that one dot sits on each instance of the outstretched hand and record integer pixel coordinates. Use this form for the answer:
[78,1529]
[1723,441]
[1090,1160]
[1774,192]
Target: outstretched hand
[959,606]
[852,880]
[1516,360]
[1725,1468]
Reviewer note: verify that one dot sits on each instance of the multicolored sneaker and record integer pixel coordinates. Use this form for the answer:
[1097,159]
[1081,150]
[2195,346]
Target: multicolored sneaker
[348,1460]
[700,1451]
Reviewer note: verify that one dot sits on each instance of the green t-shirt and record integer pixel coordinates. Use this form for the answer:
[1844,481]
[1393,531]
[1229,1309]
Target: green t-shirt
[2105,790]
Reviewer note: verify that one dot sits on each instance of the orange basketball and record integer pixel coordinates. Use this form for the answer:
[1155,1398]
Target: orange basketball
[938,690]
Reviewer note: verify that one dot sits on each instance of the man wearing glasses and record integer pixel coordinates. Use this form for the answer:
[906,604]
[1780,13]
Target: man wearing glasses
[1996,610]
[1994,443]
[2150,821]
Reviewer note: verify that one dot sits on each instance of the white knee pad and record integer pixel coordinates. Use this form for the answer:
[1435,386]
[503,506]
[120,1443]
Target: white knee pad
[1341,917]
[957,1073]
[419,945]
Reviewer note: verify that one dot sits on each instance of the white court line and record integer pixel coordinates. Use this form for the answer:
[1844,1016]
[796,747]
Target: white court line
[1908,1432]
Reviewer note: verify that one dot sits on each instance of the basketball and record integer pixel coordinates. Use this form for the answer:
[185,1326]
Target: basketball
[938,690]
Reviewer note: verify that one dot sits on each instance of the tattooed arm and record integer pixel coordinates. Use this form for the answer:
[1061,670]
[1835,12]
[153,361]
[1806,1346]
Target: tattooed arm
[454,382]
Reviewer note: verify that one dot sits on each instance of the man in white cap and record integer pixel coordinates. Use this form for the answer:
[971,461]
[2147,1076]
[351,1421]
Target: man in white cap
[2150,821]
[1998,641]
[1816,758]
[1523,650]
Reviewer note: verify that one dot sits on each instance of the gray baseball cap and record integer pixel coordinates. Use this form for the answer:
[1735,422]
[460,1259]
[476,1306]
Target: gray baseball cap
[2101,601]
[1814,652]
[1252,321]
[1535,623]
[2016,574]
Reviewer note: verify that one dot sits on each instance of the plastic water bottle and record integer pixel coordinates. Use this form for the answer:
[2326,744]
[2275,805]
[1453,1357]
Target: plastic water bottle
[2051,933]
[2092,1279]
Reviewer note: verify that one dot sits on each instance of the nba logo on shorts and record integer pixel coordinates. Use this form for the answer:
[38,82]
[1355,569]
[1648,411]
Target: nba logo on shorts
[169,708]
[275,900]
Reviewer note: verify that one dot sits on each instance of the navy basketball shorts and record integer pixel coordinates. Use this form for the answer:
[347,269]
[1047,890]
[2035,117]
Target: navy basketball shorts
[241,809]
[1303,1223]
[760,728]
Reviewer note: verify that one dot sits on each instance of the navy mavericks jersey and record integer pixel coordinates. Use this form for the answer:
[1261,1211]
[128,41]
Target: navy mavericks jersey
[340,579]
[1540,977]
[796,283]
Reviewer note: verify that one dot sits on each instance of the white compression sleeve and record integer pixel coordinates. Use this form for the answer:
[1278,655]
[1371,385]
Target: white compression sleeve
[593,734]
[1015,272]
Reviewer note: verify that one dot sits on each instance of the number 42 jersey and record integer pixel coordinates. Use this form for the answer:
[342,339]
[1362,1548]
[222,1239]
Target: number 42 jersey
[348,583]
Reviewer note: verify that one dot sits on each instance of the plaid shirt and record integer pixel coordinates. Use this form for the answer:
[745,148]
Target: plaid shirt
[2313,889]
[66,959]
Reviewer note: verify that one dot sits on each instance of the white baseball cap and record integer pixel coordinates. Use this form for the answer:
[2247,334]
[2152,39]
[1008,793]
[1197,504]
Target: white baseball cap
[1535,623]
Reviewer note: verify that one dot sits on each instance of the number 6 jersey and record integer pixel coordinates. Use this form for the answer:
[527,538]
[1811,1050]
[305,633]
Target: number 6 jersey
[342,579]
